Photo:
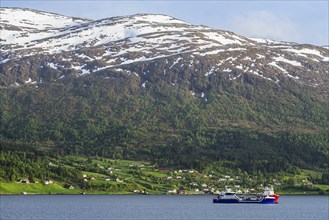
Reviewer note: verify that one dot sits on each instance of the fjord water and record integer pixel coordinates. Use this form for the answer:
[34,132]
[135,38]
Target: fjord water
[157,207]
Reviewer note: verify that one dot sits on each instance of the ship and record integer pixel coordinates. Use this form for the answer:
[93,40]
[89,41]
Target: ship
[269,191]
[267,197]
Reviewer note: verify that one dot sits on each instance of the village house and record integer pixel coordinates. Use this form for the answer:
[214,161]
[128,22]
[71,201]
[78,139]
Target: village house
[172,191]
[163,170]
[118,180]
[193,184]
[24,181]
[51,164]
[206,191]
[181,191]
[46,182]
[136,191]
[144,192]
[214,191]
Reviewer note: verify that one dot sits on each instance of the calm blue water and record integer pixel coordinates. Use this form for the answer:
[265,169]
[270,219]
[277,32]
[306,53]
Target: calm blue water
[157,207]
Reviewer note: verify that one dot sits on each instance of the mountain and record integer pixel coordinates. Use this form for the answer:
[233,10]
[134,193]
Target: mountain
[82,47]
[151,86]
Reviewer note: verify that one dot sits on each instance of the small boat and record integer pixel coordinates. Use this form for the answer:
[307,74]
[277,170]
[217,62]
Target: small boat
[267,197]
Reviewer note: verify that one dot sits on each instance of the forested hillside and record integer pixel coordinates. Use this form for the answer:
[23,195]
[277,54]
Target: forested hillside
[171,127]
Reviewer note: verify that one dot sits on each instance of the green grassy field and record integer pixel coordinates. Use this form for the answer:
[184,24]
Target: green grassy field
[34,188]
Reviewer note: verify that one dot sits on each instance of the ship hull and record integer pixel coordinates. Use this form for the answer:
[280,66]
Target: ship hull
[262,201]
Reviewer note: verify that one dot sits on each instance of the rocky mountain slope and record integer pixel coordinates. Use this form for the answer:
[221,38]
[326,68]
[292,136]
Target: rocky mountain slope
[40,41]
[157,88]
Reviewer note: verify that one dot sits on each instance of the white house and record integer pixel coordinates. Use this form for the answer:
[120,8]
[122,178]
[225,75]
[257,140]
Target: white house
[119,181]
[24,181]
[204,185]
[172,191]
[136,191]
[46,182]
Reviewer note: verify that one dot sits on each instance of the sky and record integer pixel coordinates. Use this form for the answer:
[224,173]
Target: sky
[303,21]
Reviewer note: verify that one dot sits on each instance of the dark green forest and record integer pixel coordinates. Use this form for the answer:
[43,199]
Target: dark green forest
[262,128]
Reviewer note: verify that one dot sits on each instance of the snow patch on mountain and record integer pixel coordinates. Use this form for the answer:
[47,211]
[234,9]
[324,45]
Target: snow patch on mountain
[157,18]
[291,62]
[304,52]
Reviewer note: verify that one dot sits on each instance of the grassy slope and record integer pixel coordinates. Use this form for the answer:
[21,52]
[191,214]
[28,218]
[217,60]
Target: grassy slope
[143,179]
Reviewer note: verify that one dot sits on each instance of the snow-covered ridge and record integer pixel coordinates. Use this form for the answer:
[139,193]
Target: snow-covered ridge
[33,19]
[57,33]
[73,43]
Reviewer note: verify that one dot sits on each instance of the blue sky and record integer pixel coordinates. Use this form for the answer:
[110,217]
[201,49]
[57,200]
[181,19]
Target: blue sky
[297,21]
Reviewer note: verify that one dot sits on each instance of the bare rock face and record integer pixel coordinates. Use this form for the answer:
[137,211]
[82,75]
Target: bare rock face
[39,47]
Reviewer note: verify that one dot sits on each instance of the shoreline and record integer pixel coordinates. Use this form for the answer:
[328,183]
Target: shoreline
[129,194]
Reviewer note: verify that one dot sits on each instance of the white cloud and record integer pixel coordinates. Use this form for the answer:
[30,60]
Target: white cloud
[264,24]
